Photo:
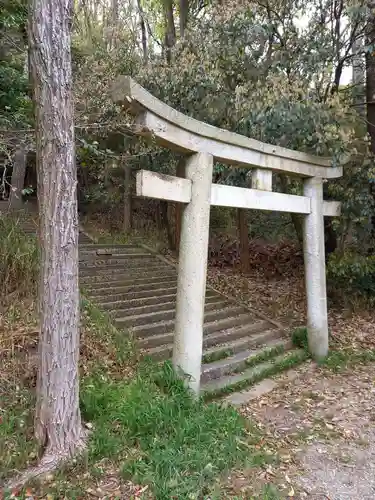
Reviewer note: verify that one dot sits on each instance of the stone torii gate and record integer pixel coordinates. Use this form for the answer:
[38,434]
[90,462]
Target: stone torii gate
[203,144]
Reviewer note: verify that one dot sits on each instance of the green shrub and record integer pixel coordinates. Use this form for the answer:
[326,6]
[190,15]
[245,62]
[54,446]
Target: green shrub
[18,259]
[352,274]
[299,338]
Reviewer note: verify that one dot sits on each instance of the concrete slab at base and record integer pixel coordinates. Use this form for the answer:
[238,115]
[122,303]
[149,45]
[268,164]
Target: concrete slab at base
[240,398]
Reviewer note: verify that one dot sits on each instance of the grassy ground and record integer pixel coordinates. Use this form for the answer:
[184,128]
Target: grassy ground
[148,438]
[146,433]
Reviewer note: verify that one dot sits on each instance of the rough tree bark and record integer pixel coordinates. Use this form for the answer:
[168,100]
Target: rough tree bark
[370,74]
[184,16]
[170,29]
[297,220]
[58,426]
[370,91]
[143,33]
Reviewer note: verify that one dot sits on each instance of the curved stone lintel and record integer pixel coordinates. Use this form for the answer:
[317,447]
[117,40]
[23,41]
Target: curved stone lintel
[179,131]
[174,137]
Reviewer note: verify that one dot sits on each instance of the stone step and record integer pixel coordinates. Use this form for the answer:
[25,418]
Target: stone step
[229,317]
[120,258]
[119,294]
[263,334]
[105,248]
[126,265]
[172,281]
[147,301]
[127,321]
[238,331]
[107,302]
[253,374]
[109,271]
[132,281]
[121,309]
[256,391]
[123,277]
[164,351]
[95,250]
[133,260]
[239,361]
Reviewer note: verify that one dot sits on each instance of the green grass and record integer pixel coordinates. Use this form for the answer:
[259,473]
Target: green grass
[161,436]
[100,326]
[146,423]
[265,355]
[217,355]
[19,261]
[299,338]
[17,445]
[338,360]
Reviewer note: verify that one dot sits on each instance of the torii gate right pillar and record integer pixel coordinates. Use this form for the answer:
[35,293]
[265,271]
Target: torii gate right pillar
[315,272]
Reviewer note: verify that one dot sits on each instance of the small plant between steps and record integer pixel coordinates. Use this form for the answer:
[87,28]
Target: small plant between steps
[266,355]
[299,338]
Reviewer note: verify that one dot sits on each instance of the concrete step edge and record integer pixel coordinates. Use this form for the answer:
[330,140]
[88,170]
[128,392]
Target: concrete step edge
[142,281]
[159,326]
[130,303]
[123,278]
[164,350]
[255,336]
[242,359]
[165,307]
[210,309]
[246,329]
[129,295]
[117,267]
[138,287]
[238,381]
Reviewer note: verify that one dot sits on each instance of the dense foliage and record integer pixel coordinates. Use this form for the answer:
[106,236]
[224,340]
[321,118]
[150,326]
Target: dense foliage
[270,70]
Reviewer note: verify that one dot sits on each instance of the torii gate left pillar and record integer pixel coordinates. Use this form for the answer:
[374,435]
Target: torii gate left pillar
[192,270]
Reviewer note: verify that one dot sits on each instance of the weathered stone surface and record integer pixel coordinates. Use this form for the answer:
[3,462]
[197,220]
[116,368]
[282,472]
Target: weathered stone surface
[258,390]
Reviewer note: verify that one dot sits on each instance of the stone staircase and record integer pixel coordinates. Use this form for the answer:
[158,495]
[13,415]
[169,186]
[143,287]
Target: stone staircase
[137,288]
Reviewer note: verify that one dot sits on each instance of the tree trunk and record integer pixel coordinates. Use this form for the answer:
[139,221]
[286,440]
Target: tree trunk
[370,92]
[370,75]
[128,199]
[358,75]
[243,234]
[18,178]
[170,30]
[166,225]
[143,33]
[297,220]
[114,12]
[58,426]
[184,16]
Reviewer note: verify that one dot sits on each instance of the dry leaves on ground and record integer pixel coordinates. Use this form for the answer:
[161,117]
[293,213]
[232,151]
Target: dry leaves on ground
[321,426]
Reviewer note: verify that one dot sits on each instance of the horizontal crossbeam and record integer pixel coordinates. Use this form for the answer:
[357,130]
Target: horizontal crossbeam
[177,131]
[167,187]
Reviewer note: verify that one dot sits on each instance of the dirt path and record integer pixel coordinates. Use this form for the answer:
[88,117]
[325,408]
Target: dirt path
[321,425]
